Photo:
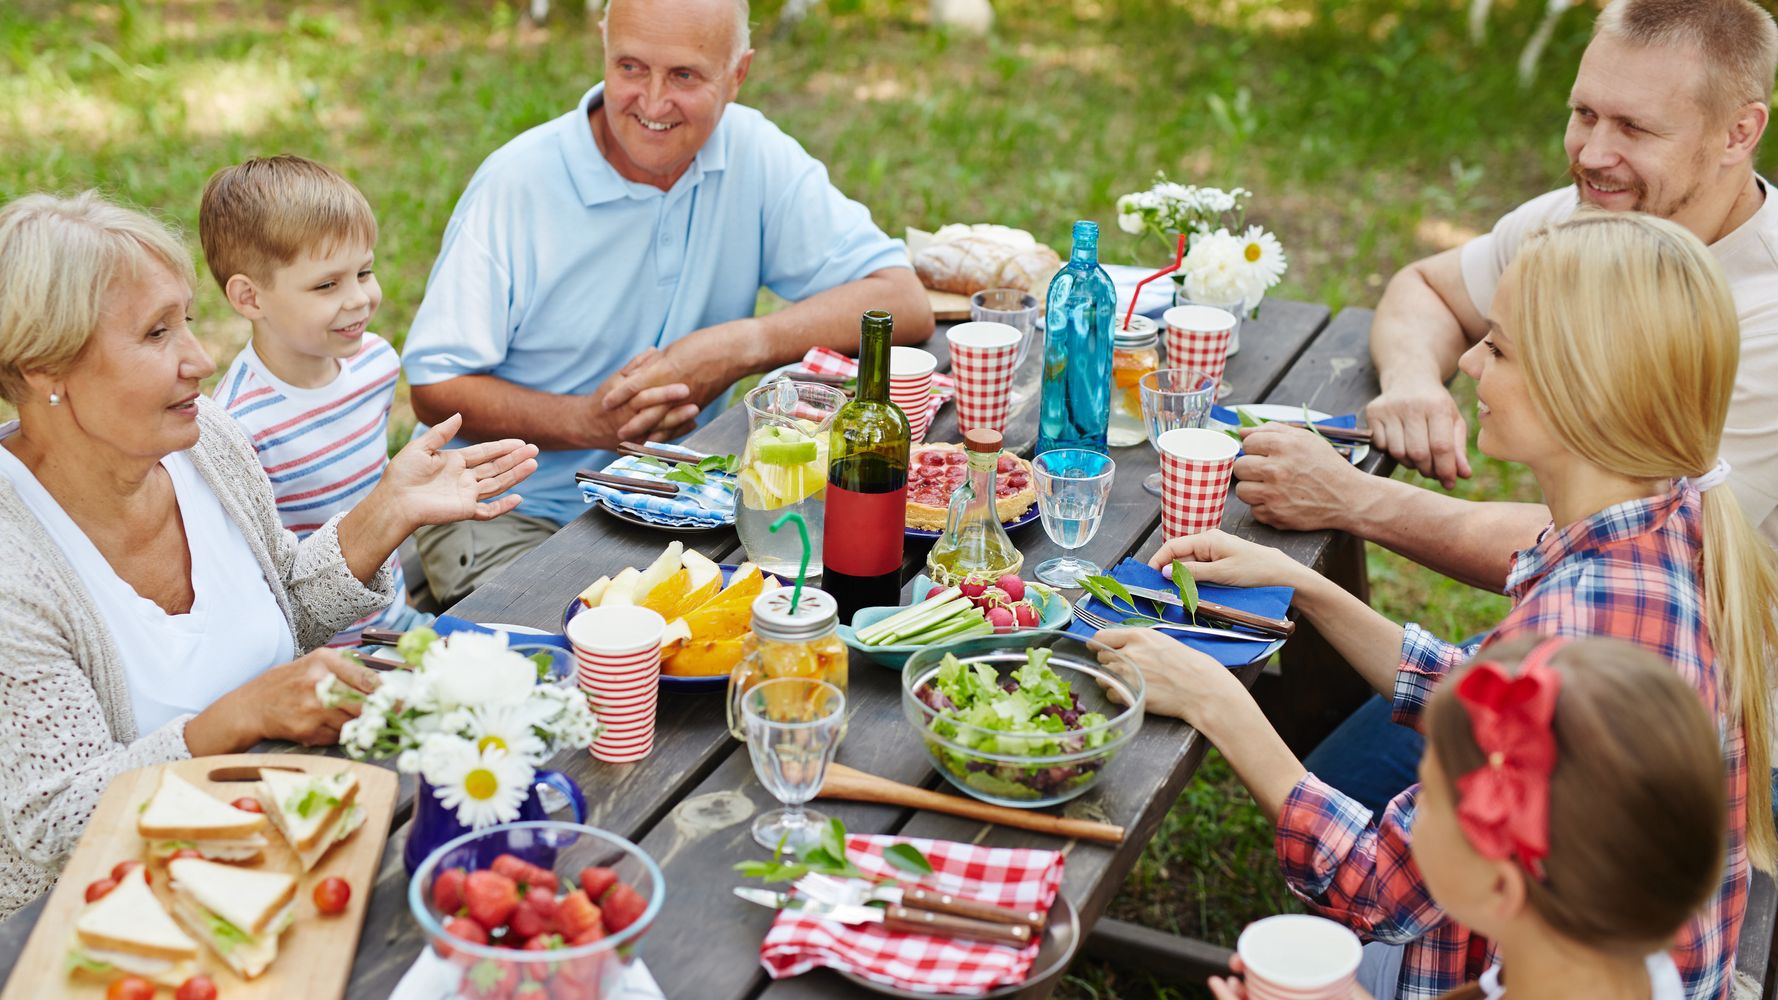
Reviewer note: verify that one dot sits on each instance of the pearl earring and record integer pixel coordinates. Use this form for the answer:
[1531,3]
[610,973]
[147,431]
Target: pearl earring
[55,400]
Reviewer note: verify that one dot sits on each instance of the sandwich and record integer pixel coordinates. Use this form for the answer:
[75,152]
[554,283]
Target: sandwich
[313,813]
[181,815]
[238,912]
[127,932]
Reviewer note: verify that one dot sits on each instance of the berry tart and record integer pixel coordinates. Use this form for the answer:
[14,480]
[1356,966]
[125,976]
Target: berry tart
[935,470]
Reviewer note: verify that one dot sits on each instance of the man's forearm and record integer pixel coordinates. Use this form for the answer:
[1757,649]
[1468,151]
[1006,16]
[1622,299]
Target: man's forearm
[494,408]
[830,319]
[1467,540]
[1415,335]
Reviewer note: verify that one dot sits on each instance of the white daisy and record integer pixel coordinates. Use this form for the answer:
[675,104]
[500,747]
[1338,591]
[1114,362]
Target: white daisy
[473,669]
[1263,260]
[483,787]
[509,728]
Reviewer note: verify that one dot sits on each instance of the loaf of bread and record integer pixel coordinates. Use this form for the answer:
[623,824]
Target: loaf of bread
[966,259]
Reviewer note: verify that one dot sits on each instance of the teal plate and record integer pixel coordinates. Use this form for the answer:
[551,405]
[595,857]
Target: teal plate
[1054,613]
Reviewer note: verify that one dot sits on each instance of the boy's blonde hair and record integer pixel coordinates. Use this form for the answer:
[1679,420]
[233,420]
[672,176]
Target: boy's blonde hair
[59,257]
[1630,342]
[263,214]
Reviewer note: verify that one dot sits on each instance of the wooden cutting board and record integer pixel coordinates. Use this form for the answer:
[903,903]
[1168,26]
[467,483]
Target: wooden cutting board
[947,306]
[314,954]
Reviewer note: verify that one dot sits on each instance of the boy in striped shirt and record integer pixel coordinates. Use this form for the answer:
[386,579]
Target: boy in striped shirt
[292,242]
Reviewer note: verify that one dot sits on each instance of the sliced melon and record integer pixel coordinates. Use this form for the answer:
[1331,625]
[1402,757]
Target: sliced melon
[596,590]
[622,589]
[663,567]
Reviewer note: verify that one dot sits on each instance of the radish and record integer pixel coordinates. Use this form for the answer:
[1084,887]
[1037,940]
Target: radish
[934,592]
[1025,613]
[973,587]
[993,597]
[1013,586]
[1001,619]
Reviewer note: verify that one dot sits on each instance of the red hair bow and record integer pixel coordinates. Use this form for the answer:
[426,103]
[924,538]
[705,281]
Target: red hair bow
[1504,805]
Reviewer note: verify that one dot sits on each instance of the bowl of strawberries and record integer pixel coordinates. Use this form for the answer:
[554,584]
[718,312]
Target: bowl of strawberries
[558,904]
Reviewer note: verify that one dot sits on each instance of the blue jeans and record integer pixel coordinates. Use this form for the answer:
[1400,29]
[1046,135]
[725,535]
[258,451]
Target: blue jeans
[1369,756]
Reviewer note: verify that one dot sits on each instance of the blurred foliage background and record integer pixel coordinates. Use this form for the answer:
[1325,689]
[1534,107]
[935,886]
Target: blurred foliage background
[1372,132]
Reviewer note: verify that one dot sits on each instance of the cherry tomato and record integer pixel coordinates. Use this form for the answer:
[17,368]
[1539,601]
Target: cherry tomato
[196,988]
[248,803]
[123,868]
[185,852]
[331,896]
[98,889]
[130,988]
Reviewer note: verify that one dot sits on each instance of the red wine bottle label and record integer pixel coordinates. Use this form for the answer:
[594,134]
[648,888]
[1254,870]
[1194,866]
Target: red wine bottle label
[863,535]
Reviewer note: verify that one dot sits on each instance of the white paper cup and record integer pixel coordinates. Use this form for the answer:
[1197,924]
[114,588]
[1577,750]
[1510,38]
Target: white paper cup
[1196,466]
[1295,956]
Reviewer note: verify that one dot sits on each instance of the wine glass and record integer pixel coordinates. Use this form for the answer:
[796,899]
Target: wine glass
[793,725]
[1173,398]
[1073,487]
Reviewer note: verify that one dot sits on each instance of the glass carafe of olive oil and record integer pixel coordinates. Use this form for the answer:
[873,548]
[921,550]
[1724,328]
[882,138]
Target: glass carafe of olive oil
[974,542]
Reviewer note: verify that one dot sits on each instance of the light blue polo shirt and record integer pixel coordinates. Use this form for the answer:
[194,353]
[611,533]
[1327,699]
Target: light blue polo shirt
[555,270]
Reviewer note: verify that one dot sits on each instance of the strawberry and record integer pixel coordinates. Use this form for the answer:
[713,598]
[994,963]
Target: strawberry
[540,972]
[513,867]
[591,934]
[544,942]
[596,880]
[526,922]
[447,890]
[489,980]
[531,989]
[544,901]
[575,914]
[463,929]
[543,878]
[623,907]
[491,898]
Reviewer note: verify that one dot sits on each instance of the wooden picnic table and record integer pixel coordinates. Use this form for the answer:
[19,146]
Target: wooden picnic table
[690,803]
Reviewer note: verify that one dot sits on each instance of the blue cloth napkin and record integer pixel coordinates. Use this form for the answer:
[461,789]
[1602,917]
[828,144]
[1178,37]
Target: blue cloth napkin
[1227,415]
[446,624]
[717,506]
[1272,602]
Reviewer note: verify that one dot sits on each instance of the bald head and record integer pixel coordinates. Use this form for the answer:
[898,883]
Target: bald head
[705,12]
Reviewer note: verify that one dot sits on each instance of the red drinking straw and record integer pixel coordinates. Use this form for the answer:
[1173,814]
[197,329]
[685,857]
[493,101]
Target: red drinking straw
[1178,258]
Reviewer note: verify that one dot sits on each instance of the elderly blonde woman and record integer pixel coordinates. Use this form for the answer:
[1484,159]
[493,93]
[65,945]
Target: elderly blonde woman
[1607,370]
[152,606]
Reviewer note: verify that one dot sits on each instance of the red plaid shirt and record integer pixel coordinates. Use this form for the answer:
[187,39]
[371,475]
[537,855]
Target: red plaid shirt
[1630,572]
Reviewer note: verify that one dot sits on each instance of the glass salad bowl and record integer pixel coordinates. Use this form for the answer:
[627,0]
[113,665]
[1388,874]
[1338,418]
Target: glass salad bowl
[1021,719]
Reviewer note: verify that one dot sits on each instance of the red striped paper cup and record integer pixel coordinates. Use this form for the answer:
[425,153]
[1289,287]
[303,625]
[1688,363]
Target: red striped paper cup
[1196,464]
[910,387]
[1295,956]
[984,359]
[617,653]
[1198,338]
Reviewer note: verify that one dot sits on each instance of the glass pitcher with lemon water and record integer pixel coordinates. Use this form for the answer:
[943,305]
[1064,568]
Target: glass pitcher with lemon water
[784,469]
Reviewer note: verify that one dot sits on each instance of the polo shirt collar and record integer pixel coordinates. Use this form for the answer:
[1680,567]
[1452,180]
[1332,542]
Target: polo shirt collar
[597,182]
[1617,523]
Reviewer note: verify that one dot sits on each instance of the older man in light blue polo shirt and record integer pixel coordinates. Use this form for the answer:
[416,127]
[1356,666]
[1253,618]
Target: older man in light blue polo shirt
[598,277]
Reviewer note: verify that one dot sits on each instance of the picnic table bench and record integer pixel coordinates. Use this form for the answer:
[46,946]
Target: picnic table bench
[688,803]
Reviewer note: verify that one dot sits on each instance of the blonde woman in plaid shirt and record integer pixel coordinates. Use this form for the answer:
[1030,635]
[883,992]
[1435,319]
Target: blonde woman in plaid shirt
[1607,370]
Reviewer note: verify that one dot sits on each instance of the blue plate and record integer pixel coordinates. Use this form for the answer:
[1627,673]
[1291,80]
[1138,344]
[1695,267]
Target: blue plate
[1053,613]
[717,683]
[1018,522]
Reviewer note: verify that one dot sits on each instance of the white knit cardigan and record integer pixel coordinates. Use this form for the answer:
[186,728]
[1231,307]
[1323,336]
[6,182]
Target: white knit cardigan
[66,725]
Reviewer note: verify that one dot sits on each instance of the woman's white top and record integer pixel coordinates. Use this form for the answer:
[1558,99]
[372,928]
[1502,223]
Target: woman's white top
[1663,978]
[175,664]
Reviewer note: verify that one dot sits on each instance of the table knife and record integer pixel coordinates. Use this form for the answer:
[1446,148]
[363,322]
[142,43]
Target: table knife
[894,918]
[1281,627]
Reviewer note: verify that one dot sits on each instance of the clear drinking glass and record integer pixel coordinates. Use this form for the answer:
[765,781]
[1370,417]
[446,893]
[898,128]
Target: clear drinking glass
[1173,398]
[1073,487]
[793,725]
[1016,308]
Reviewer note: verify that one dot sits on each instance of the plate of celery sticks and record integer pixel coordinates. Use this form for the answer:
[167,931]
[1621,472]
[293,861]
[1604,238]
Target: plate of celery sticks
[889,635]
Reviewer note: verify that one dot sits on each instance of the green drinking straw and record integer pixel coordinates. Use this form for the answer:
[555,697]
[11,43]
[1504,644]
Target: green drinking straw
[802,529]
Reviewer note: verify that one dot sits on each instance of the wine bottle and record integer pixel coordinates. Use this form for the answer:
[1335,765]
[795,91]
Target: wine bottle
[867,483]
[1075,410]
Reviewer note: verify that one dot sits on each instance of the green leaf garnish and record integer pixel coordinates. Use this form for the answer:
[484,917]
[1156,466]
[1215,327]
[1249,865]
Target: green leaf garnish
[908,858]
[1105,588]
[726,464]
[825,858]
[1143,620]
[652,462]
[1246,419]
[1188,589]
[833,839]
[687,474]
[1311,424]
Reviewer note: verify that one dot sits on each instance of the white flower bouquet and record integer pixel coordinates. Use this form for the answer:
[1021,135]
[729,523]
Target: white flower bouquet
[471,716]
[1226,260]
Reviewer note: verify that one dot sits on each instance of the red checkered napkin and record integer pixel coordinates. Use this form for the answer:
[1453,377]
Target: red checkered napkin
[823,361]
[919,962]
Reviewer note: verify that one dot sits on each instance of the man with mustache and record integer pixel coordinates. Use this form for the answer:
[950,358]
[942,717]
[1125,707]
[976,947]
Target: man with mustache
[1666,115]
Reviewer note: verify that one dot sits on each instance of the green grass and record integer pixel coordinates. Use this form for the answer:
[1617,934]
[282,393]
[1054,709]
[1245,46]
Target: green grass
[1371,131]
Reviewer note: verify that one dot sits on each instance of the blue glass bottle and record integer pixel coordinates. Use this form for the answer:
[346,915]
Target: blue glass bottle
[1082,309]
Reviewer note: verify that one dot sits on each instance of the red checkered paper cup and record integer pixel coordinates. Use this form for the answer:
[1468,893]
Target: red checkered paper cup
[617,657]
[910,387]
[1294,956]
[984,360]
[1196,464]
[1198,338]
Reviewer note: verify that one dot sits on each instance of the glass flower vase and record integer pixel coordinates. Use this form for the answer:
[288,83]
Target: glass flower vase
[434,825]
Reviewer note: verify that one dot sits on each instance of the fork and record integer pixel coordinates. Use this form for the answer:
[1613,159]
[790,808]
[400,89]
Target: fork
[1099,622]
